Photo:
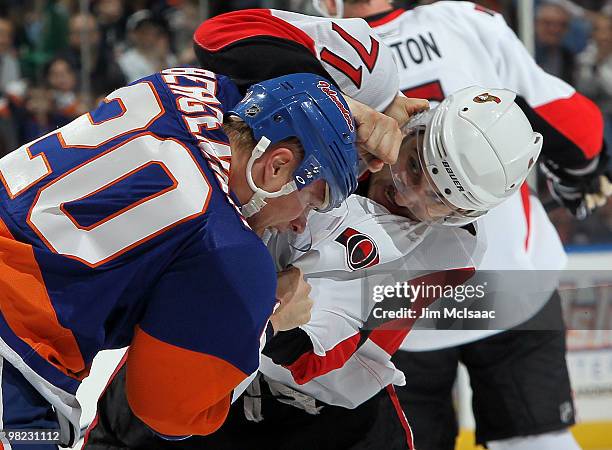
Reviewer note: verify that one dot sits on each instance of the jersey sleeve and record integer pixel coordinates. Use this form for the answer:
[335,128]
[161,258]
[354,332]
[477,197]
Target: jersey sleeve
[254,45]
[571,124]
[200,337]
[331,336]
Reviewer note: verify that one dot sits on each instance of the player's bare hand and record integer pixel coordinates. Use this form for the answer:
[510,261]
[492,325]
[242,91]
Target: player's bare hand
[378,135]
[292,292]
[403,108]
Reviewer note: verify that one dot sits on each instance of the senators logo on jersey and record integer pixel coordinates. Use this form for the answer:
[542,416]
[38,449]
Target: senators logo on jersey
[486,97]
[361,250]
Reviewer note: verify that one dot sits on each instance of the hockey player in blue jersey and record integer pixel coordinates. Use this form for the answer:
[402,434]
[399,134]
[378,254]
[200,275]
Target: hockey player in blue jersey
[129,227]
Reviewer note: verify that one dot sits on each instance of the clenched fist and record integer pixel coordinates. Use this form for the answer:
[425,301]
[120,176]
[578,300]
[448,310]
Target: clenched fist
[292,293]
[378,135]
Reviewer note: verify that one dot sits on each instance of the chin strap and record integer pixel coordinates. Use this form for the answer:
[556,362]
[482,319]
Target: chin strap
[258,200]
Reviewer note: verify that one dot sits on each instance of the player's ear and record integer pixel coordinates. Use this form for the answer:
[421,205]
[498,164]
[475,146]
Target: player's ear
[278,169]
[331,7]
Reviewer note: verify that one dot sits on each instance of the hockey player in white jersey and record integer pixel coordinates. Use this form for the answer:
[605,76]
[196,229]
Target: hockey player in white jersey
[475,34]
[440,48]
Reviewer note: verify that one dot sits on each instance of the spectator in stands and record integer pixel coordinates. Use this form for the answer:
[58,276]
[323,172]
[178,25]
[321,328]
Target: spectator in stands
[37,115]
[594,74]
[9,75]
[150,51]
[551,25]
[62,81]
[183,21]
[9,66]
[103,71]
[112,18]
[43,32]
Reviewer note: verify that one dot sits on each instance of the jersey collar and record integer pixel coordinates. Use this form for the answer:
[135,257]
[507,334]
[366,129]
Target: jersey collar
[382,18]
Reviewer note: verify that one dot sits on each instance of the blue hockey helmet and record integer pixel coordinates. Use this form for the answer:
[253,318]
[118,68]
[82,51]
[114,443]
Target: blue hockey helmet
[311,109]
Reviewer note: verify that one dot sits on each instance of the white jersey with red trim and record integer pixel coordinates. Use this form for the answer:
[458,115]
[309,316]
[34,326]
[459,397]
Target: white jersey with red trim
[443,47]
[446,46]
[248,45]
[351,55]
[364,245]
[363,236]
[333,358]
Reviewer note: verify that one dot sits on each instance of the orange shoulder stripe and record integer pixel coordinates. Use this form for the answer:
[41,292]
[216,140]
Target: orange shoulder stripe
[27,308]
[175,391]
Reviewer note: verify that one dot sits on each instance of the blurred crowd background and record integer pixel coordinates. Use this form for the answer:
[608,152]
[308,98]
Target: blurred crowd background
[59,58]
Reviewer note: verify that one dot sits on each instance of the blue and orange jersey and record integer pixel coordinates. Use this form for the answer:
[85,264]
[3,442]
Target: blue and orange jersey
[120,229]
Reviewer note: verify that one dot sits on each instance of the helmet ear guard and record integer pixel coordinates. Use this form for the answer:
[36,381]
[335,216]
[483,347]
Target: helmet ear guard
[257,201]
[477,149]
[309,108]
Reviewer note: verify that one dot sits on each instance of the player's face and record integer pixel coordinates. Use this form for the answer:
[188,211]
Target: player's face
[418,201]
[271,172]
[288,212]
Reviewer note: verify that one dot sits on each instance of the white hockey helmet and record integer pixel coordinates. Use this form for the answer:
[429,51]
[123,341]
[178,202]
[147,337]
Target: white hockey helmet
[464,157]
[321,7]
